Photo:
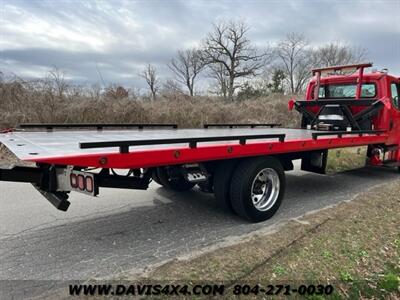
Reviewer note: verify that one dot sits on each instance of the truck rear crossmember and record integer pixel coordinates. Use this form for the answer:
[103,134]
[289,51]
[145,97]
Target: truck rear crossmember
[55,183]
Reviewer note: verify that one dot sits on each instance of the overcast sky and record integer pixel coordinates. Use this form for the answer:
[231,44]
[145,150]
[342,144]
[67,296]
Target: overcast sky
[121,37]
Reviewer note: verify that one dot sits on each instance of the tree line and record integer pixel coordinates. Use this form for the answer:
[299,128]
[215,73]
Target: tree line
[238,68]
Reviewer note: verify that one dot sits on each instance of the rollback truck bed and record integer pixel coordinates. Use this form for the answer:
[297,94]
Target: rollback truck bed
[348,120]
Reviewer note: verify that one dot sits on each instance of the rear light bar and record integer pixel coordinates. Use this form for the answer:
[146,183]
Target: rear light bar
[83,182]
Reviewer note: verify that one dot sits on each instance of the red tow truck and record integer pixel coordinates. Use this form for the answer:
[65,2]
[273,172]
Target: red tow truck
[349,119]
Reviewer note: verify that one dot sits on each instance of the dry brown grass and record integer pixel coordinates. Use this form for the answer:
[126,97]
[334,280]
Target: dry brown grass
[44,101]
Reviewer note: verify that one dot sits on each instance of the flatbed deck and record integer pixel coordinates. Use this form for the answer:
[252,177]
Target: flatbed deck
[156,147]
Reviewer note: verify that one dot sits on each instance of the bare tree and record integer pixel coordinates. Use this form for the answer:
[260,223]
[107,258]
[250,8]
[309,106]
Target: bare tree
[297,59]
[217,72]
[171,87]
[150,75]
[227,46]
[186,66]
[336,53]
[57,80]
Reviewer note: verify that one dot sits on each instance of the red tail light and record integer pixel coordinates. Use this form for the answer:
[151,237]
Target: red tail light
[81,182]
[74,181]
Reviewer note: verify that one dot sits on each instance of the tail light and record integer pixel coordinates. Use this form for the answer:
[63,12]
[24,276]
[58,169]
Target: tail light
[81,182]
[89,184]
[74,181]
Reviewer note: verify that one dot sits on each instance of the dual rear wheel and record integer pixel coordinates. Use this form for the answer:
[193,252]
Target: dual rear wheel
[252,188]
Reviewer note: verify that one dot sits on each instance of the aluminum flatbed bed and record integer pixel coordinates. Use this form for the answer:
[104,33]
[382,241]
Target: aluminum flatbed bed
[157,147]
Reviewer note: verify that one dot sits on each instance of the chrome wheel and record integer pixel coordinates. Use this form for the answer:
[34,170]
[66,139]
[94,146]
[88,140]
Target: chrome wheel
[265,189]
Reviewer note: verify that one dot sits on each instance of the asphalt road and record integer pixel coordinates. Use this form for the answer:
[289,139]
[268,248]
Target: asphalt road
[129,230]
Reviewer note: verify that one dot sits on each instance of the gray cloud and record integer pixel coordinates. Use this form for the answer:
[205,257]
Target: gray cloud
[120,37]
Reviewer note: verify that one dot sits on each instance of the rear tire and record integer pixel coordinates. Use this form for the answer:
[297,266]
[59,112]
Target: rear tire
[257,188]
[154,176]
[222,183]
[178,184]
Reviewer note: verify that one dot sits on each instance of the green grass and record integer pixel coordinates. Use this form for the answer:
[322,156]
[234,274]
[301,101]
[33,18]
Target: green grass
[345,276]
